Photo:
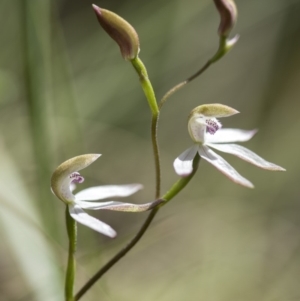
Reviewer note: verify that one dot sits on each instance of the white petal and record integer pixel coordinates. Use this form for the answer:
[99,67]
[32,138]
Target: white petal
[247,155]
[183,165]
[119,206]
[230,135]
[108,191]
[223,166]
[83,218]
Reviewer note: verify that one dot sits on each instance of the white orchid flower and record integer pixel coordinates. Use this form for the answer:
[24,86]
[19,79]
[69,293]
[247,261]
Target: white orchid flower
[205,130]
[62,185]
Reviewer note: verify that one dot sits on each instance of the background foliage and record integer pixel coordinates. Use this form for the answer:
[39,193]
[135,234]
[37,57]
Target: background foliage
[65,90]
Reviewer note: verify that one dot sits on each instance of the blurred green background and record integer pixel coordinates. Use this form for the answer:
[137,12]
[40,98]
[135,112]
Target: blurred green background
[65,90]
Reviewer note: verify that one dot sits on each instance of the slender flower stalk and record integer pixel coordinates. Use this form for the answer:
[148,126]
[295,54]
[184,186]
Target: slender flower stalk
[150,96]
[224,47]
[62,185]
[146,84]
[228,15]
[171,193]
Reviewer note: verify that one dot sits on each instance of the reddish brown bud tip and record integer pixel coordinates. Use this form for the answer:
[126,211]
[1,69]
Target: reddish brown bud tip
[228,13]
[120,31]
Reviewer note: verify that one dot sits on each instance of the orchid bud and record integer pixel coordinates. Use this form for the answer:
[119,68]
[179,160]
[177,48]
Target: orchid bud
[120,31]
[228,13]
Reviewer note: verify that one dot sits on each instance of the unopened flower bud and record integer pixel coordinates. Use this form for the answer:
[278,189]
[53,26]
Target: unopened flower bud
[120,31]
[228,13]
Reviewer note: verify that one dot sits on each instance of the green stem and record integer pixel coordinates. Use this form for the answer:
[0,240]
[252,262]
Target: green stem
[71,268]
[220,53]
[182,84]
[180,184]
[154,125]
[174,190]
[150,95]
[146,84]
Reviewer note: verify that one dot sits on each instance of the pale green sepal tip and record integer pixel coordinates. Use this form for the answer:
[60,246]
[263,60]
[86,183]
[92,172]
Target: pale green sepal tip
[67,168]
[213,110]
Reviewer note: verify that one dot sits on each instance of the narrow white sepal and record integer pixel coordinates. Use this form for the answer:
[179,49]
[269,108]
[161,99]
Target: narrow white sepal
[247,155]
[223,166]
[116,206]
[183,165]
[230,135]
[108,191]
[95,205]
[83,218]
